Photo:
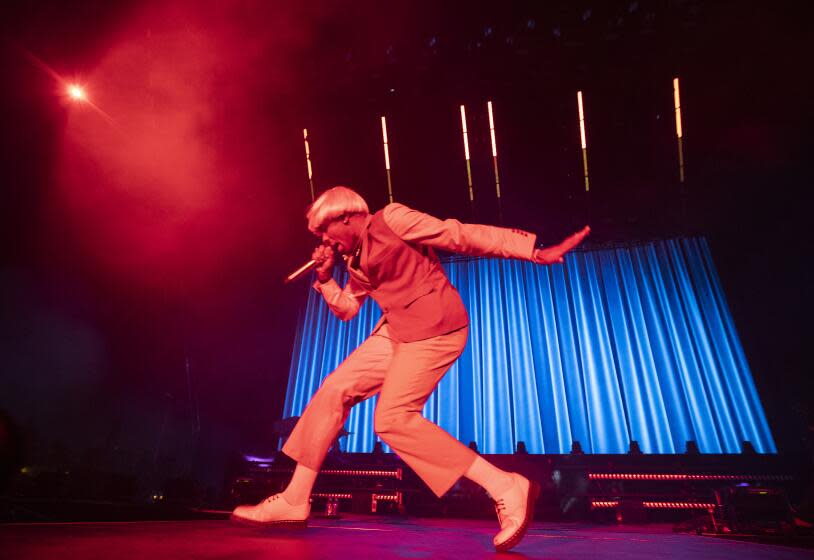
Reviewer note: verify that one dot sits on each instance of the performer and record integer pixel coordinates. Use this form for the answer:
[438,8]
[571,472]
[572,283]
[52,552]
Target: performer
[390,256]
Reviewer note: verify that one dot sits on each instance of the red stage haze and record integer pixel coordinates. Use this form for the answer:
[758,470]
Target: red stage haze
[181,182]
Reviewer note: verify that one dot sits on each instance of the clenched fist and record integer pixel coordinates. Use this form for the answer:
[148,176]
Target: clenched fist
[325,256]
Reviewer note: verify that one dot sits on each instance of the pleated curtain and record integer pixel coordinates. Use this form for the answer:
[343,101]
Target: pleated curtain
[633,342]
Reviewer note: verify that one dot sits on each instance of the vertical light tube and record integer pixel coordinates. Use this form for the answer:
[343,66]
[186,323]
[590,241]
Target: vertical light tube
[679,132]
[384,139]
[581,121]
[466,155]
[387,160]
[582,140]
[492,128]
[677,102]
[494,159]
[308,163]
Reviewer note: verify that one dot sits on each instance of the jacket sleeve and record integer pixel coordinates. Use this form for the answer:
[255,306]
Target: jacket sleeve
[343,302]
[451,235]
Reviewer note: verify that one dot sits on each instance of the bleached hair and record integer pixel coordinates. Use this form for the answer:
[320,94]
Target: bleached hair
[333,203]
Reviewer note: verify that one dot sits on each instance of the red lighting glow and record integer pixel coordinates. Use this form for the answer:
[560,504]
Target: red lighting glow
[348,496]
[394,473]
[172,189]
[604,504]
[677,476]
[678,505]
[607,504]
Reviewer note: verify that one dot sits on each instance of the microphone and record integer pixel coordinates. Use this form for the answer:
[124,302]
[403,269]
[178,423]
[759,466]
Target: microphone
[301,271]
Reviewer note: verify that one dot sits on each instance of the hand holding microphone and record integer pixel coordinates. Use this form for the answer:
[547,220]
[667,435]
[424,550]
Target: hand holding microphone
[324,258]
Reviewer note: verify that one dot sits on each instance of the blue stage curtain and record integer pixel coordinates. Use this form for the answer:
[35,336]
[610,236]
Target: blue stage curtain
[620,344]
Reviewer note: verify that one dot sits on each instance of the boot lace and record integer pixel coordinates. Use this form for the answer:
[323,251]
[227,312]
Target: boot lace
[500,508]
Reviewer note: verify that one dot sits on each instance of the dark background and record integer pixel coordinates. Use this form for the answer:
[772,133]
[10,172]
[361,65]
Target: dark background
[144,326]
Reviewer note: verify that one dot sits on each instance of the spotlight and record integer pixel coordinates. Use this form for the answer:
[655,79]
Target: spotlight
[576,448]
[692,448]
[76,93]
[521,448]
[634,448]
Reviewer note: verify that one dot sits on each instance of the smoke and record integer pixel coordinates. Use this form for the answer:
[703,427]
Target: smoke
[186,167]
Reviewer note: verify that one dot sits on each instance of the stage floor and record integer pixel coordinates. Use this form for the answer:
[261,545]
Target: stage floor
[363,537]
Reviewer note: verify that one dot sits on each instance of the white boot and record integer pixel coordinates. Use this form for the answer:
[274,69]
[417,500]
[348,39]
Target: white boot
[515,508]
[273,511]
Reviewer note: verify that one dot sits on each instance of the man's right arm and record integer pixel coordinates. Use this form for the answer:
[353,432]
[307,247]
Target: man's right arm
[343,302]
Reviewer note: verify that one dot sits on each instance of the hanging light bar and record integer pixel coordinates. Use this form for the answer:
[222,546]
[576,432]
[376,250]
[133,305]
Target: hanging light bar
[582,139]
[494,159]
[679,132]
[466,155]
[308,163]
[387,160]
[492,128]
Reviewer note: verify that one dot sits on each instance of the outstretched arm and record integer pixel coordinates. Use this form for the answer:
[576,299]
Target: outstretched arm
[451,235]
[474,239]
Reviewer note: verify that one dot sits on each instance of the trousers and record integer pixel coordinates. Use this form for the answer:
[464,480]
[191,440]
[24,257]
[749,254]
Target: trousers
[404,374]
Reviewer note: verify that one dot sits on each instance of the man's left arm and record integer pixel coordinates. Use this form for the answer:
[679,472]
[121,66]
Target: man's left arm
[473,239]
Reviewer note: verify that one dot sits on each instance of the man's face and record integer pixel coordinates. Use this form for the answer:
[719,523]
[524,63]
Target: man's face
[339,235]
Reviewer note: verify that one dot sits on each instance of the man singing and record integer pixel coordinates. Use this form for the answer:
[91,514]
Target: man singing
[390,256]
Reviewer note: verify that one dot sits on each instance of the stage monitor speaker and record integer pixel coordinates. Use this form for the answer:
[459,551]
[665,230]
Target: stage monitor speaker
[756,510]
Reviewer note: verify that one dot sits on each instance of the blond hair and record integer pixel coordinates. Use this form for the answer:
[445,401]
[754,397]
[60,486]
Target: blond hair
[334,203]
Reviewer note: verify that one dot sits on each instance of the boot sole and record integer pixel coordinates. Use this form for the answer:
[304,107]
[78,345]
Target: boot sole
[511,542]
[282,524]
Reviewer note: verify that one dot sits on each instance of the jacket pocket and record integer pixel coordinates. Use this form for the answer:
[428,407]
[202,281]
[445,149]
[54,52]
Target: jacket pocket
[415,297]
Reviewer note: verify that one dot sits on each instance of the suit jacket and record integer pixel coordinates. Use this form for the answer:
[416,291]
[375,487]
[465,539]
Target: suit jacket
[397,266]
